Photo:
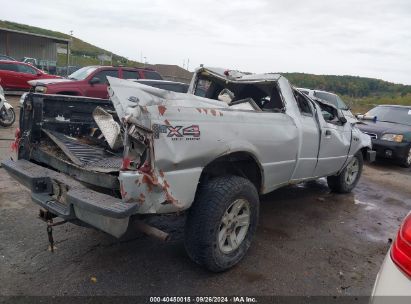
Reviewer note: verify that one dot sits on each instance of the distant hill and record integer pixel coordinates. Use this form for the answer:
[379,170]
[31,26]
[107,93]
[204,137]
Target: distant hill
[83,53]
[352,86]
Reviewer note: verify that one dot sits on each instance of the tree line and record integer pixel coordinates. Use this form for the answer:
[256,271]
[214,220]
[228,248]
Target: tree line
[352,86]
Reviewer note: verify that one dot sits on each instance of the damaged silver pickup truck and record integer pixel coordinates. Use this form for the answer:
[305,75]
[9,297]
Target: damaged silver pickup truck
[210,153]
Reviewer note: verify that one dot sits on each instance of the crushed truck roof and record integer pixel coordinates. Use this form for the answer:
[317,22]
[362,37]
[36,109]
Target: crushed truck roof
[237,76]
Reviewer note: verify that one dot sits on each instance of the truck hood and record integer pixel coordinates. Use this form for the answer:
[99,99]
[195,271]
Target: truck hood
[47,81]
[128,97]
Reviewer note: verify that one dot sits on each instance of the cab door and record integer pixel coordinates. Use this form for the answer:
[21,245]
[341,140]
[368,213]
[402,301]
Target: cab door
[310,138]
[334,144]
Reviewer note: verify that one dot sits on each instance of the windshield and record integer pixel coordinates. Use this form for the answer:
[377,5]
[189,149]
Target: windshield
[391,114]
[331,98]
[82,73]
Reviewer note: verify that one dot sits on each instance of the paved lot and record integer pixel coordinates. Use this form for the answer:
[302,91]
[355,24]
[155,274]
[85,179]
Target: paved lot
[309,242]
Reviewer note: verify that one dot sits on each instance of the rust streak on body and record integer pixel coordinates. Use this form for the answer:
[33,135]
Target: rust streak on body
[161,109]
[142,198]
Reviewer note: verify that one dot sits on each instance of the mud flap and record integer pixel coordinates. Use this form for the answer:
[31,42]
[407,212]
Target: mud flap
[370,156]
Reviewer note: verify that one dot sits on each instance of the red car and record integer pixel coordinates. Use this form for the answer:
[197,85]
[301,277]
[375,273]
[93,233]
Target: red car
[91,81]
[14,75]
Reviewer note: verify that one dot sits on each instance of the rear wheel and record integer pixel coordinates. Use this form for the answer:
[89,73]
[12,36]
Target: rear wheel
[406,162]
[221,222]
[348,178]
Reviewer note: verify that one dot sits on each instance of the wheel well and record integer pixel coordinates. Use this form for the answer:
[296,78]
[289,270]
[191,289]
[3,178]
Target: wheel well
[364,152]
[238,163]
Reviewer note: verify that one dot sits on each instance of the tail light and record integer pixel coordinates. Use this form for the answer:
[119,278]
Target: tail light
[401,249]
[15,144]
[17,133]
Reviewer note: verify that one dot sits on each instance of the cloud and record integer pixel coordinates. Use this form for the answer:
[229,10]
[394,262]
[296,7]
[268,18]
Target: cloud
[369,37]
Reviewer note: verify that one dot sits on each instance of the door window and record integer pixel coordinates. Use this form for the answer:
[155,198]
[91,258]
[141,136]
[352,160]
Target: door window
[8,67]
[303,104]
[26,69]
[102,75]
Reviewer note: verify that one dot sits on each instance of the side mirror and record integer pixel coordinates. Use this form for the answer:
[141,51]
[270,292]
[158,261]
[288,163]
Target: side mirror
[94,80]
[39,73]
[343,120]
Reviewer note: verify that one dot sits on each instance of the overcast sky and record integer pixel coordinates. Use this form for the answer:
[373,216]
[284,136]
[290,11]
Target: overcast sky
[370,38]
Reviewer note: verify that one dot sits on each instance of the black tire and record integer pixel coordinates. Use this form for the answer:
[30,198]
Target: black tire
[339,184]
[10,122]
[203,222]
[406,162]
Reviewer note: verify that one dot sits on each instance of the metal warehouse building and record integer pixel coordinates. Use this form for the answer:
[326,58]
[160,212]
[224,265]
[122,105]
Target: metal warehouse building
[18,44]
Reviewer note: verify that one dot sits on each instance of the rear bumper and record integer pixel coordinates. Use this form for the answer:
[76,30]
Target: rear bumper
[69,199]
[391,284]
[390,149]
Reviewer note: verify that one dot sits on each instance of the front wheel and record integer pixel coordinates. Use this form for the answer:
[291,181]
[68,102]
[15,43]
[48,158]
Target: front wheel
[348,178]
[7,117]
[221,222]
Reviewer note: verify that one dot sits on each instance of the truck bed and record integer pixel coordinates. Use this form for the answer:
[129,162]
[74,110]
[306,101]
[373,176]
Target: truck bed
[63,136]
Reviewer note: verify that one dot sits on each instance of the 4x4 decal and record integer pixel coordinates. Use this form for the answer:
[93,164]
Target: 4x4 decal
[177,132]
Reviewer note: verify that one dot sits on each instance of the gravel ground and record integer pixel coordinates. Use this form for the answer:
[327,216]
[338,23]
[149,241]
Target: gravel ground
[309,242]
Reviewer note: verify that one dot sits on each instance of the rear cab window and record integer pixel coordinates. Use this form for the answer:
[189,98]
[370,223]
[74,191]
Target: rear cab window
[266,97]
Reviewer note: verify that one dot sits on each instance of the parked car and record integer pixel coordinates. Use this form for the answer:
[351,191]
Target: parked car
[173,86]
[389,127]
[15,75]
[393,282]
[5,57]
[177,151]
[332,98]
[91,81]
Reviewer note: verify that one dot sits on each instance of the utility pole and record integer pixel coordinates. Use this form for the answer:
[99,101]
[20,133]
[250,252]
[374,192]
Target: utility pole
[68,55]
[188,63]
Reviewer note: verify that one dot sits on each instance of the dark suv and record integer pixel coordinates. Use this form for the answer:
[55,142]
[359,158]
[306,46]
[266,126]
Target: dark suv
[91,81]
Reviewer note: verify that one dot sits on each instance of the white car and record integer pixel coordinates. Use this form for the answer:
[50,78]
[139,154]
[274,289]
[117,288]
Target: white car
[394,278]
[332,98]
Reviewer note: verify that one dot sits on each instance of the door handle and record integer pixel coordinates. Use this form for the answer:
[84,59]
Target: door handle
[327,133]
